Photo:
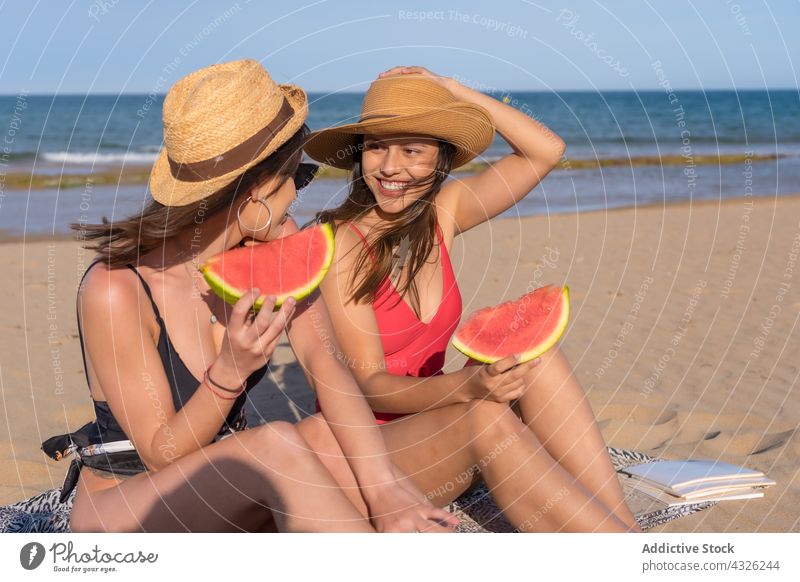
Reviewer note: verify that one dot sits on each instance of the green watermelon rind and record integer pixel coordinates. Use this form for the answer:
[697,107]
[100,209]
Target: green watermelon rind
[541,348]
[231,294]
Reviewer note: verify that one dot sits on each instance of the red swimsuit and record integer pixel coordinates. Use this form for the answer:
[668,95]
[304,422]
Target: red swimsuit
[411,347]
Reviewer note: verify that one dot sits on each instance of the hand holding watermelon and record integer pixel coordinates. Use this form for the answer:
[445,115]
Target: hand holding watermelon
[284,270]
[249,343]
[510,338]
[501,381]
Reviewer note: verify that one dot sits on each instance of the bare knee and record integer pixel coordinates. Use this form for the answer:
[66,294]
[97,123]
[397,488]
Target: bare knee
[272,446]
[282,434]
[492,422]
[554,353]
[550,360]
[488,415]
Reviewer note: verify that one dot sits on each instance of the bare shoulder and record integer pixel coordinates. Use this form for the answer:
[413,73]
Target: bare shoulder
[347,247]
[108,293]
[338,284]
[104,286]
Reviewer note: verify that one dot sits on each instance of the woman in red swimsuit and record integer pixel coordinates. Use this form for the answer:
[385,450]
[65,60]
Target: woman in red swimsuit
[395,304]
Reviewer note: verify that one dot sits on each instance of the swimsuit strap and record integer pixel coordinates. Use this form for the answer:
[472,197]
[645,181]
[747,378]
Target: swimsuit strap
[149,295]
[363,238]
[358,231]
[440,235]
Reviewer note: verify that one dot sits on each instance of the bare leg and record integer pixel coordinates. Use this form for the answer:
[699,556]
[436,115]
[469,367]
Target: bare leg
[440,449]
[556,410]
[241,483]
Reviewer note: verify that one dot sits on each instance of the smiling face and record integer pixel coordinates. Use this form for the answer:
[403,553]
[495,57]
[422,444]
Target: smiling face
[390,162]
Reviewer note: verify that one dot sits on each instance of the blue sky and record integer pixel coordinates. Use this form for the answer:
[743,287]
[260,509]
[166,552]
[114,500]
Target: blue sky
[113,46]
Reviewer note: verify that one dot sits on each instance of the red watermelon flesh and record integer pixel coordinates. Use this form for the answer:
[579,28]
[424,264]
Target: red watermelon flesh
[529,326]
[291,266]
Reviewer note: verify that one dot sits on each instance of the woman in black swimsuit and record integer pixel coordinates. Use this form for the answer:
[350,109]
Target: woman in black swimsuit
[169,364]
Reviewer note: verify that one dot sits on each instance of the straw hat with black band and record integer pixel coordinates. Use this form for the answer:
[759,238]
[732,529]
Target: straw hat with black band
[407,104]
[219,122]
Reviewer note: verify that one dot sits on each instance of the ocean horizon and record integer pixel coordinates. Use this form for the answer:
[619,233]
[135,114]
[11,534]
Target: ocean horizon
[80,134]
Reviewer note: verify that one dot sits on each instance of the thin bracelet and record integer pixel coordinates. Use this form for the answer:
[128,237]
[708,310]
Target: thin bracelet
[217,394]
[209,382]
[237,391]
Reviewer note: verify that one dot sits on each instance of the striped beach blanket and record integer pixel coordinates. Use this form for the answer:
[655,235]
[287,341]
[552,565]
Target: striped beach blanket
[478,513]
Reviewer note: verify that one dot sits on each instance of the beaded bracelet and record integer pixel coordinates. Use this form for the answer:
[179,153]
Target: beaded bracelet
[210,384]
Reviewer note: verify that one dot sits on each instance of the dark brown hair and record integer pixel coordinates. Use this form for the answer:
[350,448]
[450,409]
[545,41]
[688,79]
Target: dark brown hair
[416,224]
[124,241]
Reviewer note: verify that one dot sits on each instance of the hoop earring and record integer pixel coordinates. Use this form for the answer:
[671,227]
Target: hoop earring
[239,215]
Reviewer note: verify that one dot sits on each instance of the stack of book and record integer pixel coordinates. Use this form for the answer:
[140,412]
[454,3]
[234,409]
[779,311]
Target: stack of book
[674,483]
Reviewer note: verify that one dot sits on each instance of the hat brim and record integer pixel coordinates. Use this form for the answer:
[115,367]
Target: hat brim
[466,126]
[169,191]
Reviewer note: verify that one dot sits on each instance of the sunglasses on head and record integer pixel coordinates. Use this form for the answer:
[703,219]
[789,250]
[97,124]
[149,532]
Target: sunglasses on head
[304,174]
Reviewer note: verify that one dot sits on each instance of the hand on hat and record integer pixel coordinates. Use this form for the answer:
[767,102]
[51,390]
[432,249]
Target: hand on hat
[443,81]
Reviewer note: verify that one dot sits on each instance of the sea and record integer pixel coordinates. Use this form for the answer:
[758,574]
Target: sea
[63,134]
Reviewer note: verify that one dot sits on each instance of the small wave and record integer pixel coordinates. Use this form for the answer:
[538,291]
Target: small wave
[90,158]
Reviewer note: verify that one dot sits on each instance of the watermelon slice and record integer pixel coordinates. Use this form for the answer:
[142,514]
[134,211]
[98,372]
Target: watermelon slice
[291,266]
[529,326]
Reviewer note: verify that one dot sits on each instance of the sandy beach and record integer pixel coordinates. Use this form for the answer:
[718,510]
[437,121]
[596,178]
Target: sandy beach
[683,332]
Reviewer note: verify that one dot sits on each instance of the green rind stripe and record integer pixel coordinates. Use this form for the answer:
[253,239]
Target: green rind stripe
[228,293]
[306,290]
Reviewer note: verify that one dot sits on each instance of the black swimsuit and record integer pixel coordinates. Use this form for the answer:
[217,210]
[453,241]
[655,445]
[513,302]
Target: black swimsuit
[105,429]
[182,383]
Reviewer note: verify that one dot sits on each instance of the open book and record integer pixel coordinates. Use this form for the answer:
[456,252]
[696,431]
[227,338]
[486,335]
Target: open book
[695,480]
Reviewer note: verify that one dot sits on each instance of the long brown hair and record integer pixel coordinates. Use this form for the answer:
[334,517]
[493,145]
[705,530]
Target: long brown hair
[124,241]
[415,224]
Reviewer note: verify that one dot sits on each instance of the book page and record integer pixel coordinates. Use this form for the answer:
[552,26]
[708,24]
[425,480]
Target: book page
[676,474]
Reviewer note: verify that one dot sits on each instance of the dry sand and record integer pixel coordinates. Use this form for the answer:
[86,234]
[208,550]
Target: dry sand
[683,332]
